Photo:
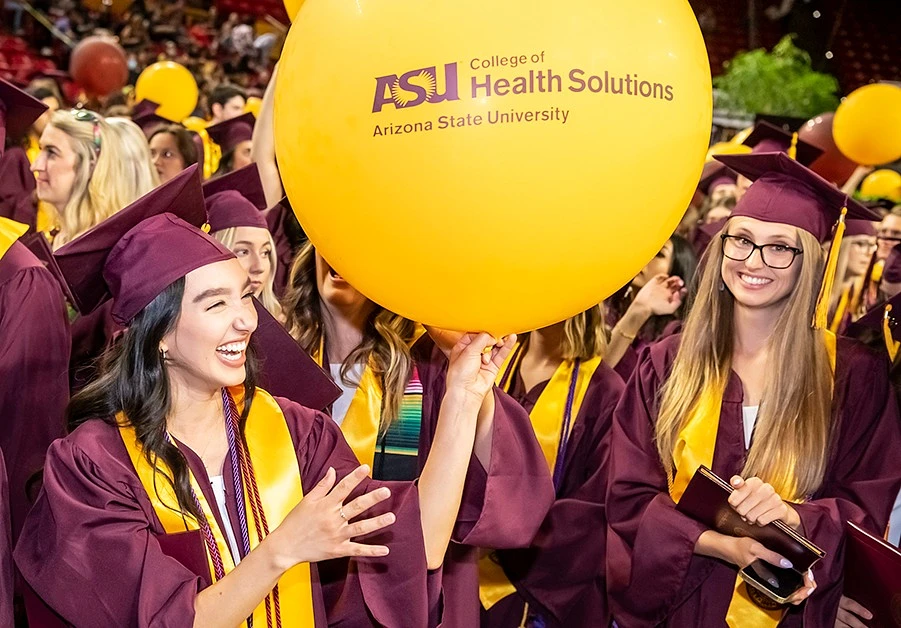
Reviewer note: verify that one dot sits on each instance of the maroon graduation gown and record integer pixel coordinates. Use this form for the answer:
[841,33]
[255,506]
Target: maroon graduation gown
[502,506]
[90,546]
[653,575]
[561,576]
[629,361]
[6,552]
[34,358]
[17,187]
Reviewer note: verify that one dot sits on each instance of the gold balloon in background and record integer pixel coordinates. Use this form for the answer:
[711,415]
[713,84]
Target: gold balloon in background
[491,166]
[171,85]
[867,125]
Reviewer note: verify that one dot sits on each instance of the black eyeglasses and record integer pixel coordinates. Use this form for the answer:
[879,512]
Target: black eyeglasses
[84,115]
[778,256]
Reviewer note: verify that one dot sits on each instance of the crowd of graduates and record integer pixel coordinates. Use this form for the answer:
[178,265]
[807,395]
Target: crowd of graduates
[207,425]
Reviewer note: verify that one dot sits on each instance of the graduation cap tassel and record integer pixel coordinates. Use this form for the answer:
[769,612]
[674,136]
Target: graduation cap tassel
[822,310]
[890,343]
[793,149]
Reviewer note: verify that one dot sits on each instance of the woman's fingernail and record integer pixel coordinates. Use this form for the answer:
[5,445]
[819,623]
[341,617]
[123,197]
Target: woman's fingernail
[810,591]
[736,481]
[785,563]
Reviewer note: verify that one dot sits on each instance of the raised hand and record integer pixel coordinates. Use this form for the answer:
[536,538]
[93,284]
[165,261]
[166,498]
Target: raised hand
[660,296]
[475,362]
[321,526]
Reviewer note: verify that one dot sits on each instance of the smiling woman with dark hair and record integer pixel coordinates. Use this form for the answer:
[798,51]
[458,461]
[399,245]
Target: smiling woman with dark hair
[176,453]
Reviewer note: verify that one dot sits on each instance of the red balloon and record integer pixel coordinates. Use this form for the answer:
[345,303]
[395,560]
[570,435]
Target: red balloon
[832,165]
[99,65]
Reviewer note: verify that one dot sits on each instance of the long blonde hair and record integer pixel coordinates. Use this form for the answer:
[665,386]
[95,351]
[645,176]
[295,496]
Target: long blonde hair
[386,342]
[794,424]
[585,335]
[267,296]
[107,178]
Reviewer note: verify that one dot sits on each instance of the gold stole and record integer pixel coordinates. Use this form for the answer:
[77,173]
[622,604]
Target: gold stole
[694,447]
[547,421]
[10,232]
[274,460]
[364,415]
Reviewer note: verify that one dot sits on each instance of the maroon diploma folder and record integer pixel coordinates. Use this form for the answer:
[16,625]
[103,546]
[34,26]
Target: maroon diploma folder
[707,500]
[873,576]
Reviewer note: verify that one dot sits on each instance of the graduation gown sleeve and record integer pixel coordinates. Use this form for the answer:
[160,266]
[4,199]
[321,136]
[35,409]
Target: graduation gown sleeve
[6,552]
[861,480]
[386,591]
[34,358]
[502,507]
[650,546]
[561,573]
[89,547]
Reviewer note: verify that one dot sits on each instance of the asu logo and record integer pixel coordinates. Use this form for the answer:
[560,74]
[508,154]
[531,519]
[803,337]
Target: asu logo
[414,88]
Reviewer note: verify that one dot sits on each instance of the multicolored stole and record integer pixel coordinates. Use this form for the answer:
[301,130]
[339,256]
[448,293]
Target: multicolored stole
[271,486]
[552,420]
[695,446]
[362,423]
[10,232]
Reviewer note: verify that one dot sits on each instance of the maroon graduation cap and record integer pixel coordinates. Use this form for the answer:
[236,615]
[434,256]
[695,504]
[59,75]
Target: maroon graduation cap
[769,138]
[82,260]
[229,133]
[860,228]
[785,191]
[883,319]
[715,174]
[286,370]
[144,107]
[18,111]
[236,199]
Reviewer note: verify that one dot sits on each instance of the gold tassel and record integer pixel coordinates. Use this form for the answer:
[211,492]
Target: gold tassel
[821,314]
[890,343]
[793,149]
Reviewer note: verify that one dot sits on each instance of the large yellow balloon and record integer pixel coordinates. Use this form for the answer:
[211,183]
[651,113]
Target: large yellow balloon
[493,166]
[292,7]
[170,84]
[253,105]
[726,148]
[867,125]
[882,184]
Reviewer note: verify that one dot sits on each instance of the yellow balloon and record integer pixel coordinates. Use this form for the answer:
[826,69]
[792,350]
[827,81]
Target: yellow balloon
[882,184]
[726,148]
[292,7]
[171,85]
[491,166]
[194,123]
[867,125]
[253,105]
[741,136]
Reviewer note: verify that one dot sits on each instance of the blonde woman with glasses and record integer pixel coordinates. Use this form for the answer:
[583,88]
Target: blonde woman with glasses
[88,169]
[797,421]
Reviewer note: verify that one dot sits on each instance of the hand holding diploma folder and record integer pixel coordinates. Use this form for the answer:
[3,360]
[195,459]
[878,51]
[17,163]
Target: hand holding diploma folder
[873,576]
[706,499]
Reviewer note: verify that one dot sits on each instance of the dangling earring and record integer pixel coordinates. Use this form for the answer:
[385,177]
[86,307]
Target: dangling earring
[722,285]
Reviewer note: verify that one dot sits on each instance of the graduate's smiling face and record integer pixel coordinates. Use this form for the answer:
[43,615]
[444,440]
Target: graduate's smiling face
[253,247]
[207,349]
[55,167]
[335,292]
[751,282]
